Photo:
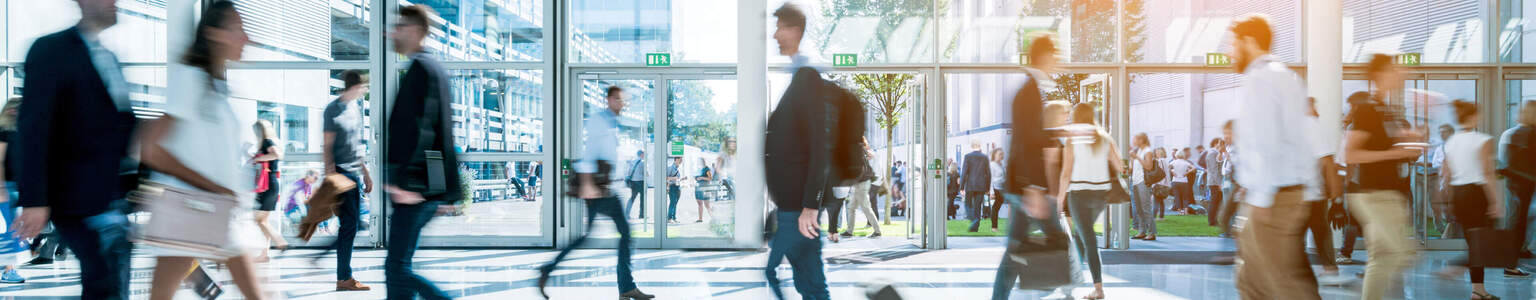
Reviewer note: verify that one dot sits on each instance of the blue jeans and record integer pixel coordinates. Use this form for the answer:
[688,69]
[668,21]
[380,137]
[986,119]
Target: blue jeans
[804,259]
[608,207]
[673,193]
[404,233]
[349,213]
[101,244]
[1019,229]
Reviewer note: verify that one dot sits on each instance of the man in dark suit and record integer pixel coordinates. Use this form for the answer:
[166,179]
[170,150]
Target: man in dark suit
[1026,184]
[975,182]
[75,129]
[421,162]
[798,157]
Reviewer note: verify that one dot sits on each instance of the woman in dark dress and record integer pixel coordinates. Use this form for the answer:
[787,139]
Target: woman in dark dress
[268,156]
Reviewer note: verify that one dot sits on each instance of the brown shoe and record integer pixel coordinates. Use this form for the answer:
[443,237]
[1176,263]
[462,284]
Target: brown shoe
[351,285]
[635,294]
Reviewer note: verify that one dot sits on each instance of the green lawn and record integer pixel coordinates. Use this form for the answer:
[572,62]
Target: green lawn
[896,228]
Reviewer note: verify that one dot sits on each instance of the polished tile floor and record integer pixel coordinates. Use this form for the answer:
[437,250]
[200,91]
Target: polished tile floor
[1183,271]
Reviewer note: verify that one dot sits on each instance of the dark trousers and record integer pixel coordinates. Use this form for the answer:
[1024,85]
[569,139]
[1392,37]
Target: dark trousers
[1019,230]
[1322,235]
[1212,213]
[349,213]
[674,192]
[101,244]
[1159,206]
[1520,208]
[997,202]
[804,260]
[1183,195]
[404,233]
[1351,233]
[973,208]
[636,191]
[608,207]
[833,209]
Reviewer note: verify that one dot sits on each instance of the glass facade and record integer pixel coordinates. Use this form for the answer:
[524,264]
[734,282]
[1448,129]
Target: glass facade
[957,57]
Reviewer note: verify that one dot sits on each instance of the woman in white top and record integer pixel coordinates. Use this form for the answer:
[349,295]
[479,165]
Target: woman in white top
[1181,171]
[1475,196]
[1141,191]
[997,184]
[196,146]
[1087,169]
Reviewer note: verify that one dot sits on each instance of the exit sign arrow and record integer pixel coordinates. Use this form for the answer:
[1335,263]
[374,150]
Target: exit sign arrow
[658,59]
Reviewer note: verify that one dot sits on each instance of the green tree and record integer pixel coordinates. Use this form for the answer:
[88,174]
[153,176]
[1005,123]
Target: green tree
[890,14]
[886,96]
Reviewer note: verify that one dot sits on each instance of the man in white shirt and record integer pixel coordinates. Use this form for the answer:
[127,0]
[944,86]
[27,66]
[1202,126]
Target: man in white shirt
[1276,141]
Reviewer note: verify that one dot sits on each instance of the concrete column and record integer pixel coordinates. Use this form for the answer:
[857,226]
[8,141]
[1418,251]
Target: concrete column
[751,119]
[1325,73]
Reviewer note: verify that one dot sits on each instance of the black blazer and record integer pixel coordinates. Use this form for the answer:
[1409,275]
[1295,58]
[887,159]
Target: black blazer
[72,137]
[798,152]
[977,172]
[405,163]
[1026,165]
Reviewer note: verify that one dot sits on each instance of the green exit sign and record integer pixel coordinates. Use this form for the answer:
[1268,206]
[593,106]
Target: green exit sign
[845,60]
[658,59]
[1409,59]
[677,149]
[1217,59]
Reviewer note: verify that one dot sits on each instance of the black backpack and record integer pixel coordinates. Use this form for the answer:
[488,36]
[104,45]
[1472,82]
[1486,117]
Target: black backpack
[848,162]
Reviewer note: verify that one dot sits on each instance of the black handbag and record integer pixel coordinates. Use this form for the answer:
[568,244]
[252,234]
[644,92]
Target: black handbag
[1492,248]
[1155,175]
[1041,263]
[1117,193]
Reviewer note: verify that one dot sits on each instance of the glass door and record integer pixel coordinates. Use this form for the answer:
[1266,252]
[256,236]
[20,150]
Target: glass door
[675,174]
[1426,105]
[639,172]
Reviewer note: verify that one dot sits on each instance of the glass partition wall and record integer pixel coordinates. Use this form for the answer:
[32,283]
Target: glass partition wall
[509,60]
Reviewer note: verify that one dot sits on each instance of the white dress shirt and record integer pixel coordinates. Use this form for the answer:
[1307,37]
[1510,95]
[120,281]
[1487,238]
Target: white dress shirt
[110,71]
[602,140]
[1274,135]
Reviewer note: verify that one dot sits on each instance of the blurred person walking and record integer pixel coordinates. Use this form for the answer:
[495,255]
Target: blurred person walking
[1087,170]
[1322,192]
[12,245]
[343,154]
[196,146]
[860,202]
[71,76]
[1517,158]
[268,157]
[976,182]
[593,172]
[421,160]
[1029,180]
[799,156]
[1470,173]
[635,180]
[1277,163]
[1382,211]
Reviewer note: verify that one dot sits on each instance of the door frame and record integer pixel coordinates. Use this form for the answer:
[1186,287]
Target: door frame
[1485,92]
[574,216]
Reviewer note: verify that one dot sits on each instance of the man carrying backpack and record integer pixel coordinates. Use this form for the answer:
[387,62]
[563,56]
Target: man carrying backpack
[797,160]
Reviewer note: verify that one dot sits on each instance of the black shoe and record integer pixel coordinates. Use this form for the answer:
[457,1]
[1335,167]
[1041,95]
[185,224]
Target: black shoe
[877,234]
[635,294]
[543,281]
[40,261]
[1516,273]
[847,234]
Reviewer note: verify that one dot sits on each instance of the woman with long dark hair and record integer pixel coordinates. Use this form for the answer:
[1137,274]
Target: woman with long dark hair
[196,146]
[268,156]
